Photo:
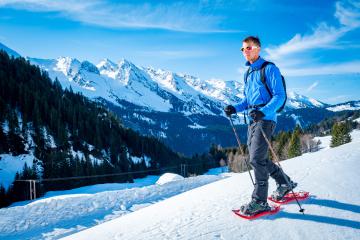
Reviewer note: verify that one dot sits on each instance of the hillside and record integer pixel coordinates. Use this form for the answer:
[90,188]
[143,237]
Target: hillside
[200,207]
[47,132]
[332,212]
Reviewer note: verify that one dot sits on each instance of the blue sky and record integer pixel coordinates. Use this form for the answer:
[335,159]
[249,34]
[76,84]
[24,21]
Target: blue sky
[316,44]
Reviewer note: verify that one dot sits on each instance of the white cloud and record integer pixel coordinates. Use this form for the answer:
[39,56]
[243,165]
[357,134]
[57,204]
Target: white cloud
[294,53]
[176,16]
[323,37]
[348,14]
[324,69]
[312,86]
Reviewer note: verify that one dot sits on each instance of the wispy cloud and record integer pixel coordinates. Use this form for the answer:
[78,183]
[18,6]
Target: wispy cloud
[312,86]
[175,16]
[324,69]
[290,55]
[348,14]
[323,37]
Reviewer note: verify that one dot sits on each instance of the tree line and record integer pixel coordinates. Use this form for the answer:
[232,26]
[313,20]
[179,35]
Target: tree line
[38,117]
[289,144]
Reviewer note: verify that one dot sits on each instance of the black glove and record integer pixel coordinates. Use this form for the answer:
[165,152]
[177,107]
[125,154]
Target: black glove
[229,109]
[256,115]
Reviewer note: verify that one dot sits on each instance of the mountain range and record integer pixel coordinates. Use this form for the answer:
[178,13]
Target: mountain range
[179,109]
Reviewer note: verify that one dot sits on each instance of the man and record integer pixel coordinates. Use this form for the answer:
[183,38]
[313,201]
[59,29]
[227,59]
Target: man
[261,103]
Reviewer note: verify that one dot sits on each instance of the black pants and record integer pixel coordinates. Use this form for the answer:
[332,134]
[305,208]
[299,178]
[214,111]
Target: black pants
[259,159]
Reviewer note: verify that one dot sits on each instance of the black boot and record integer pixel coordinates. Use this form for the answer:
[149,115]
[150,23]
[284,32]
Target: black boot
[254,207]
[282,190]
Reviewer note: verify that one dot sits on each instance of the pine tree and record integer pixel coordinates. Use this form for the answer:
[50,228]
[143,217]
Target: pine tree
[340,134]
[295,146]
[3,198]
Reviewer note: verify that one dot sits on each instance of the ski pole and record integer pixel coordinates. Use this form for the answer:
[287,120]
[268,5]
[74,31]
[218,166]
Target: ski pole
[241,150]
[278,163]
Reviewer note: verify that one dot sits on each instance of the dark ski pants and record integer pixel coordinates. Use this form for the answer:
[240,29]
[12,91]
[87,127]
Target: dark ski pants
[259,158]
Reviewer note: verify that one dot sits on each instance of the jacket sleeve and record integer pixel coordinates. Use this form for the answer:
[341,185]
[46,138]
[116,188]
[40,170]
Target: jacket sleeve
[274,82]
[243,105]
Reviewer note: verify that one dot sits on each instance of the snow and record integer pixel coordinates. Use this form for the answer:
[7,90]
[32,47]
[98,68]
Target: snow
[49,139]
[344,107]
[324,142]
[145,158]
[143,118]
[5,127]
[92,189]
[296,119]
[199,207]
[196,126]
[332,212]
[296,101]
[357,120]
[64,212]
[169,177]
[10,165]
[152,88]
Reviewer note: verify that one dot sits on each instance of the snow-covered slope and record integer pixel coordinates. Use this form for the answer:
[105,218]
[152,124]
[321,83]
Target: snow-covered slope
[332,212]
[152,89]
[56,215]
[296,101]
[200,207]
[353,105]
[158,90]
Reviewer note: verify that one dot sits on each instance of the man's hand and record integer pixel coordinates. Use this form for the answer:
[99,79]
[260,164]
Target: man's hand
[229,109]
[256,115]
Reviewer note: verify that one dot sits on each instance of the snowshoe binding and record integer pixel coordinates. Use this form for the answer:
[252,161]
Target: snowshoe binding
[256,209]
[282,190]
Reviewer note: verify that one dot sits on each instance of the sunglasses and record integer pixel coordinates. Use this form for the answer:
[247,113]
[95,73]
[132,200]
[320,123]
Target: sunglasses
[249,48]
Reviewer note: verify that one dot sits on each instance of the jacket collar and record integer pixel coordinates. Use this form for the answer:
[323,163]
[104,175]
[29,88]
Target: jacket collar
[256,65]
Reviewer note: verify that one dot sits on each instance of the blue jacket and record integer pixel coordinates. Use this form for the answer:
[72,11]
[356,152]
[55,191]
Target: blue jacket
[255,91]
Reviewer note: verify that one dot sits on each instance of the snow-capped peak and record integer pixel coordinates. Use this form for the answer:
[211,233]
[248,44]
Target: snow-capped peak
[296,100]
[155,89]
[108,68]
[164,78]
[123,63]
[106,64]
[67,65]
[88,66]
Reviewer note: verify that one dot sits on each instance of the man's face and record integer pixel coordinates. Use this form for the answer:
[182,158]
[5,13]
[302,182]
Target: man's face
[250,51]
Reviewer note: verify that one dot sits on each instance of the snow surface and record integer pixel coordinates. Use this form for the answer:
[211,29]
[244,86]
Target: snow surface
[169,177]
[64,212]
[296,101]
[324,142]
[344,107]
[332,212]
[145,158]
[196,126]
[200,207]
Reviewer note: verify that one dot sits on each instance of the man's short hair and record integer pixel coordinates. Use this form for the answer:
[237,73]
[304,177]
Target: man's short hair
[253,39]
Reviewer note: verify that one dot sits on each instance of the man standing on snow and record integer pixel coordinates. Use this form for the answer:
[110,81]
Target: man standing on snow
[261,102]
